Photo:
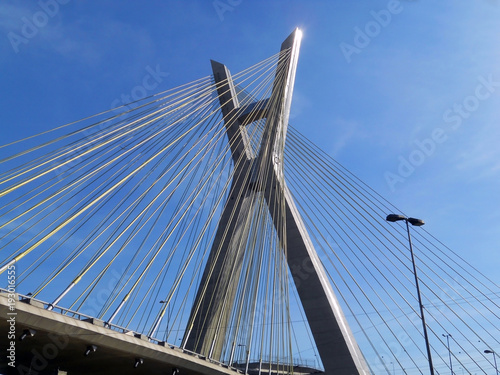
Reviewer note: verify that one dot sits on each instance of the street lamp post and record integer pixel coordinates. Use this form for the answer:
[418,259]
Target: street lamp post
[447,335]
[489,351]
[418,223]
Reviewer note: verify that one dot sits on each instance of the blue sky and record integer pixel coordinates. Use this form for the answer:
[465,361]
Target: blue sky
[405,94]
[379,93]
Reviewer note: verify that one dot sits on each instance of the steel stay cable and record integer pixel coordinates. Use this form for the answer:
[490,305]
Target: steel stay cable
[255,295]
[365,187]
[207,224]
[219,321]
[356,214]
[203,288]
[402,325]
[446,273]
[116,207]
[95,171]
[251,297]
[236,318]
[443,271]
[366,228]
[446,329]
[108,215]
[218,193]
[77,214]
[130,238]
[260,179]
[320,232]
[183,270]
[228,182]
[81,142]
[51,169]
[129,150]
[179,238]
[69,147]
[324,219]
[89,117]
[37,163]
[77,279]
[178,184]
[235,169]
[167,226]
[65,188]
[183,228]
[382,233]
[246,177]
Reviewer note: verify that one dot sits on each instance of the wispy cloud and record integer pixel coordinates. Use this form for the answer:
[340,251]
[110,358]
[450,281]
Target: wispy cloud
[32,29]
[24,23]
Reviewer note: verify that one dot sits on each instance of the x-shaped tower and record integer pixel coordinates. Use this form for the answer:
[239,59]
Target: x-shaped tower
[210,316]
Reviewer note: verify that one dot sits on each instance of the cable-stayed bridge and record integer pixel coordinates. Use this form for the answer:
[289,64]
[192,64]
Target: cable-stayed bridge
[195,232]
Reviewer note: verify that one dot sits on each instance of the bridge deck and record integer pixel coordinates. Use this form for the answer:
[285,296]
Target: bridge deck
[60,343]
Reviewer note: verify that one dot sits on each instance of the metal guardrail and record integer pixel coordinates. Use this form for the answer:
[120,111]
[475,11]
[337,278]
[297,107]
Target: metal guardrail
[302,363]
[83,317]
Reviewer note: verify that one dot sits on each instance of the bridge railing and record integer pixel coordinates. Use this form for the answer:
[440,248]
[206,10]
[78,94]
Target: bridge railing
[87,318]
[296,362]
